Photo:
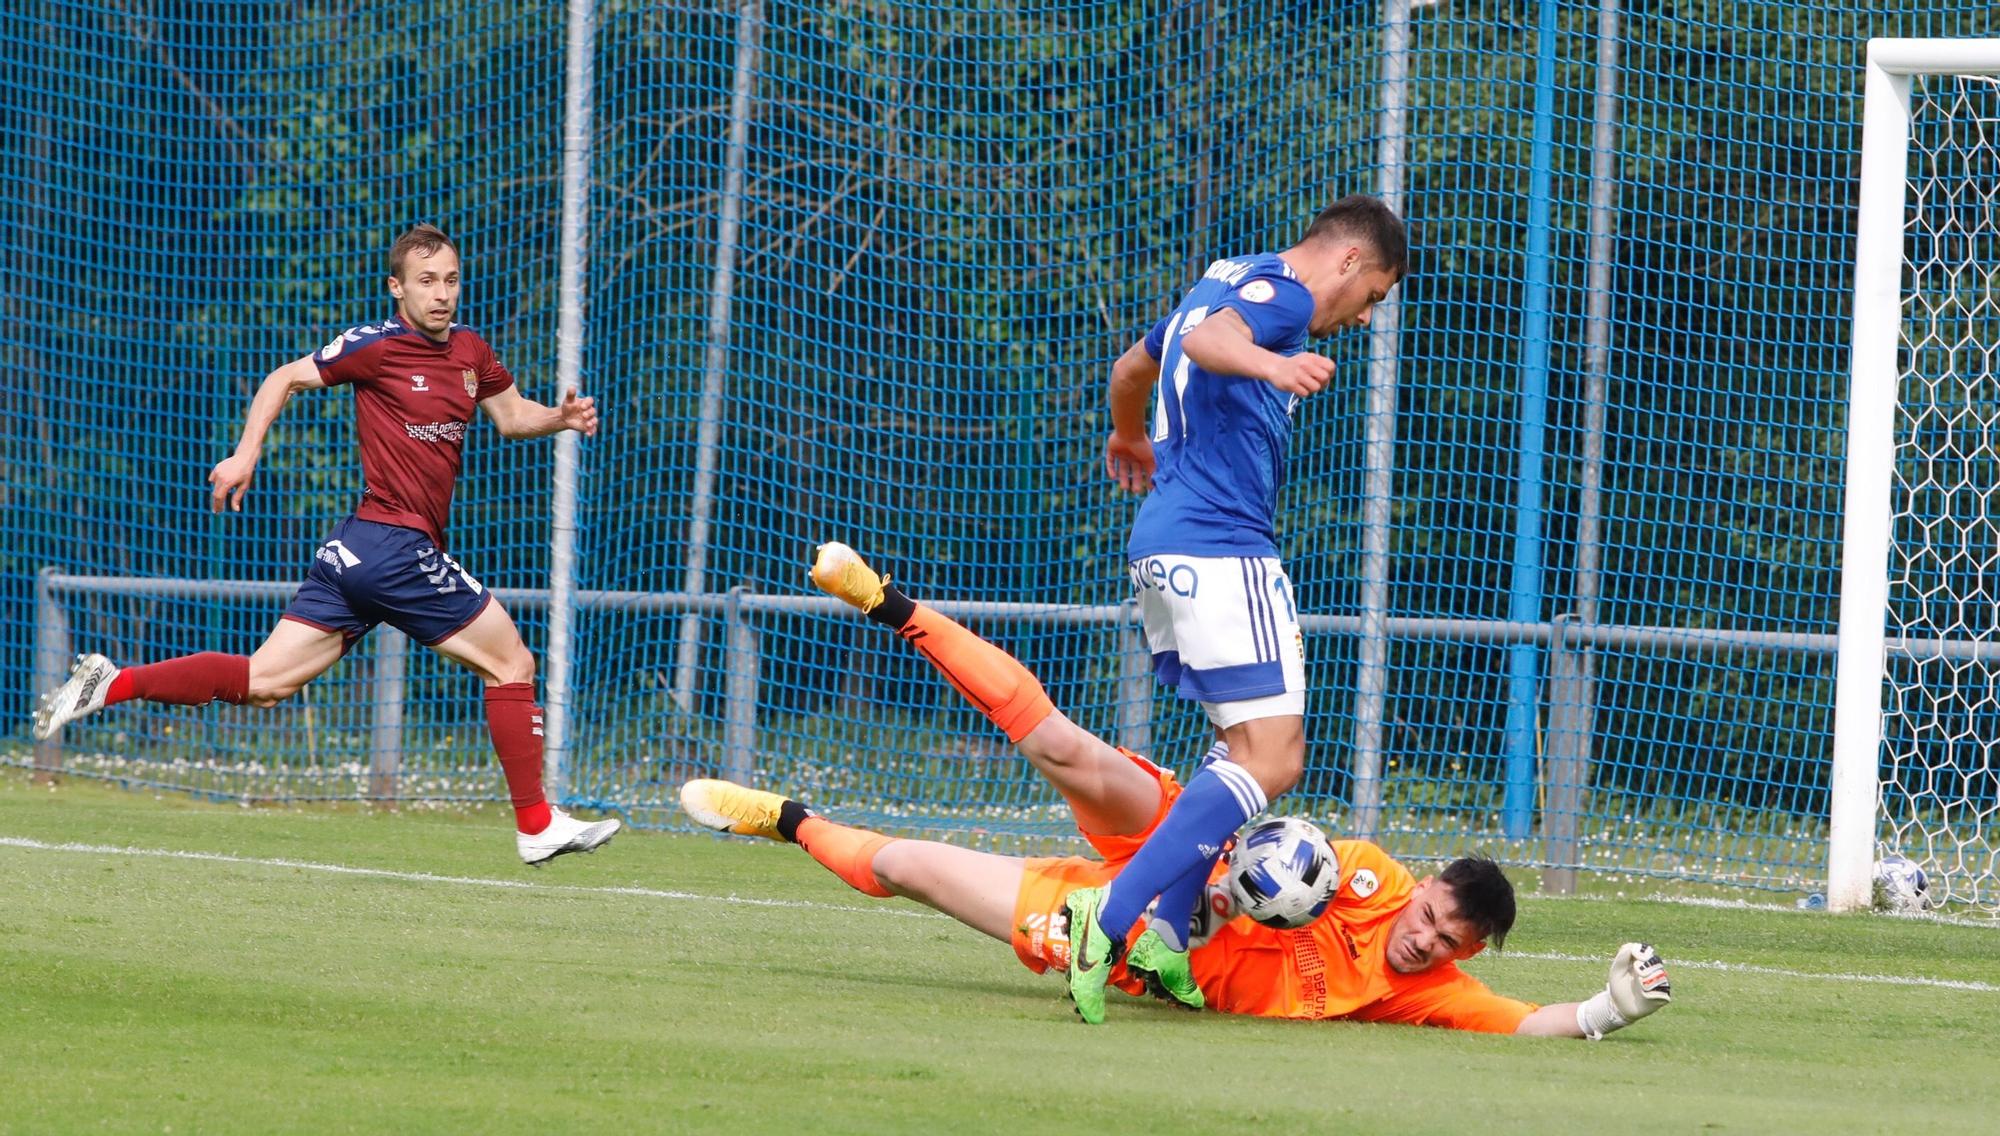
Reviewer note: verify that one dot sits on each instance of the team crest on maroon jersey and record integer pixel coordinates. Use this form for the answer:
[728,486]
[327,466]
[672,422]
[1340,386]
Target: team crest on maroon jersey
[471,378]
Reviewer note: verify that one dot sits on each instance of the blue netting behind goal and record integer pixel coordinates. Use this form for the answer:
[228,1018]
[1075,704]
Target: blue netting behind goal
[887,317]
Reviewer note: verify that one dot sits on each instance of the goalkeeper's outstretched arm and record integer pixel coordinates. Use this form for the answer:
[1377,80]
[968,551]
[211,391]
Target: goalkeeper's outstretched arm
[1638,986]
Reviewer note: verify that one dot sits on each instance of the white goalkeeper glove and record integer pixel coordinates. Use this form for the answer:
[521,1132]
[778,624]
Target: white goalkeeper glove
[1638,987]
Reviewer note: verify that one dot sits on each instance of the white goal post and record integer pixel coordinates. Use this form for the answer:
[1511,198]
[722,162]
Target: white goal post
[1919,761]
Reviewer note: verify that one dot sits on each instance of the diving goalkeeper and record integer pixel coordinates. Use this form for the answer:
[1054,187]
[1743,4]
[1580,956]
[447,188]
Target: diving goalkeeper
[1386,950]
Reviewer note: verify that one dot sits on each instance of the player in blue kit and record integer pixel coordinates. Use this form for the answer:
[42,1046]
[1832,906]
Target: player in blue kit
[1220,616]
[417,378]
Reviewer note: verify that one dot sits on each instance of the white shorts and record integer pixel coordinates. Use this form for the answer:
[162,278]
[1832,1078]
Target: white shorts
[1224,631]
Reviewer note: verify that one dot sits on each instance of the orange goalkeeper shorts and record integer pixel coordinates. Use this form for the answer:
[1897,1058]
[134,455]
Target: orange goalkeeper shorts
[1041,932]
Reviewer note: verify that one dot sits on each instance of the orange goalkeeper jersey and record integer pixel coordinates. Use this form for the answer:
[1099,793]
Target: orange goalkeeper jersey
[1334,967]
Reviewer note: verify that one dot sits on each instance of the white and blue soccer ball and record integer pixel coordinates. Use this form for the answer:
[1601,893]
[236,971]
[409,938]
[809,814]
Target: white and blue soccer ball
[1282,872]
[1901,885]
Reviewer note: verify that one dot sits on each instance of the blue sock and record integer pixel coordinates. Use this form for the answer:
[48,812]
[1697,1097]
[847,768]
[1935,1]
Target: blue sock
[1217,752]
[1213,806]
[1173,916]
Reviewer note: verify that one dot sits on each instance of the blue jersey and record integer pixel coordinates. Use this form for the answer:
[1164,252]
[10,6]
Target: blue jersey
[1219,440]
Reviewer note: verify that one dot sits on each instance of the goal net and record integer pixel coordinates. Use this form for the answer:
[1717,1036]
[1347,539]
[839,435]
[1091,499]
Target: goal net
[1936,779]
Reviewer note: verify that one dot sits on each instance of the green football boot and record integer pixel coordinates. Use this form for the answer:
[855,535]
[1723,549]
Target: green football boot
[1092,954]
[1164,970]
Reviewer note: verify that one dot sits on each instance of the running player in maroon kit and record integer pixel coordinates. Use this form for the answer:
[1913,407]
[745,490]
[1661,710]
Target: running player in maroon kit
[417,377]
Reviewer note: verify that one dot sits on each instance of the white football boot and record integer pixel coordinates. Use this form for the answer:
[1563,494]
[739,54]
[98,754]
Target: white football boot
[89,681]
[565,834]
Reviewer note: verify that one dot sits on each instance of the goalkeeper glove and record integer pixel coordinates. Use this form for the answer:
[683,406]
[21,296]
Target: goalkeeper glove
[1638,987]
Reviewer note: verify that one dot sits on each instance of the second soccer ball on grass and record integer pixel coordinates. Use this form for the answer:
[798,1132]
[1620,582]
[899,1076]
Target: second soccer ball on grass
[1901,886]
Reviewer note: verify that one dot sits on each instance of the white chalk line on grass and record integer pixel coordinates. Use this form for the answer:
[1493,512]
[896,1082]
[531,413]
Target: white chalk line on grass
[904,912]
[1674,964]
[470,881]
[1721,904]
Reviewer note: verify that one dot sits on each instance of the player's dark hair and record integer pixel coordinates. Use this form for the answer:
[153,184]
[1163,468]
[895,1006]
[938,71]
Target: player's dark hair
[1483,896]
[423,240]
[1365,220]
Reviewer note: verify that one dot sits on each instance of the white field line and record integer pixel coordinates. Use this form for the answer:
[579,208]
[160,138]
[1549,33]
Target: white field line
[873,909]
[1787,908]
[468,881]
[1674,964]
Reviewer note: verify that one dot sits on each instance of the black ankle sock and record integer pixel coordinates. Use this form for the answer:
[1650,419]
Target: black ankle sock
[790,814]
[895,609]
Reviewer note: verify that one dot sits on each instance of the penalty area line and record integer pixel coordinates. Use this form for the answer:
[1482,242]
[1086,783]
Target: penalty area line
[464,881]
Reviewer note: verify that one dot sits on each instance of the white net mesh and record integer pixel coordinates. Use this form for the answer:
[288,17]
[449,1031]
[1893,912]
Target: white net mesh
[1941,727]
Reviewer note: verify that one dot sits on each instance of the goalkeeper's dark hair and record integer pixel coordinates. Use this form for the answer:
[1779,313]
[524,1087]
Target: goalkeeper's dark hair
[423,240]
[1365,220]
[1484,897]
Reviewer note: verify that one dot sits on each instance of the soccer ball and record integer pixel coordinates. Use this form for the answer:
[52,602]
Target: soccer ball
[1282,872]
[1901,885]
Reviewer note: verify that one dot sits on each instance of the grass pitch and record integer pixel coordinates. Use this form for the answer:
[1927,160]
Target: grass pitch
[171,966]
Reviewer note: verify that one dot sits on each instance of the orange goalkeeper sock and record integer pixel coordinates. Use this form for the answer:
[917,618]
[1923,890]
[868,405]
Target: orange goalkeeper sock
[846,852]
[994,681]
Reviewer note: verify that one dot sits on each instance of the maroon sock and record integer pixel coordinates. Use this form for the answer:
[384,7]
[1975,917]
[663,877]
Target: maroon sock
[191,680]
[516,725]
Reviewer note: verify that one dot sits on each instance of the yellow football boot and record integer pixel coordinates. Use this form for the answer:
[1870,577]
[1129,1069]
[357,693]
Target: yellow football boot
[728,807]
[839,571]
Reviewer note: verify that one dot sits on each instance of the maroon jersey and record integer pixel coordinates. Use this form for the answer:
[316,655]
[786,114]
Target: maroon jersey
[413,397]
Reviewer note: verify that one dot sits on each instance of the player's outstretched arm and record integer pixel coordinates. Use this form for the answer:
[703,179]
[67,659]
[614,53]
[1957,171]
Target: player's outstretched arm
[231,476]
[518,417]
[1128,452]
[1638,986]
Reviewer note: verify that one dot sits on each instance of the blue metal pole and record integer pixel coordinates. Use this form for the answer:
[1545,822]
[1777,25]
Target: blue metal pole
[1525,598]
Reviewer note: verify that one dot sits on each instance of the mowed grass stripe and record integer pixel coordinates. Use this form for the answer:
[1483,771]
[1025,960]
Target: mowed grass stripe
[243,990]
[887,909]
